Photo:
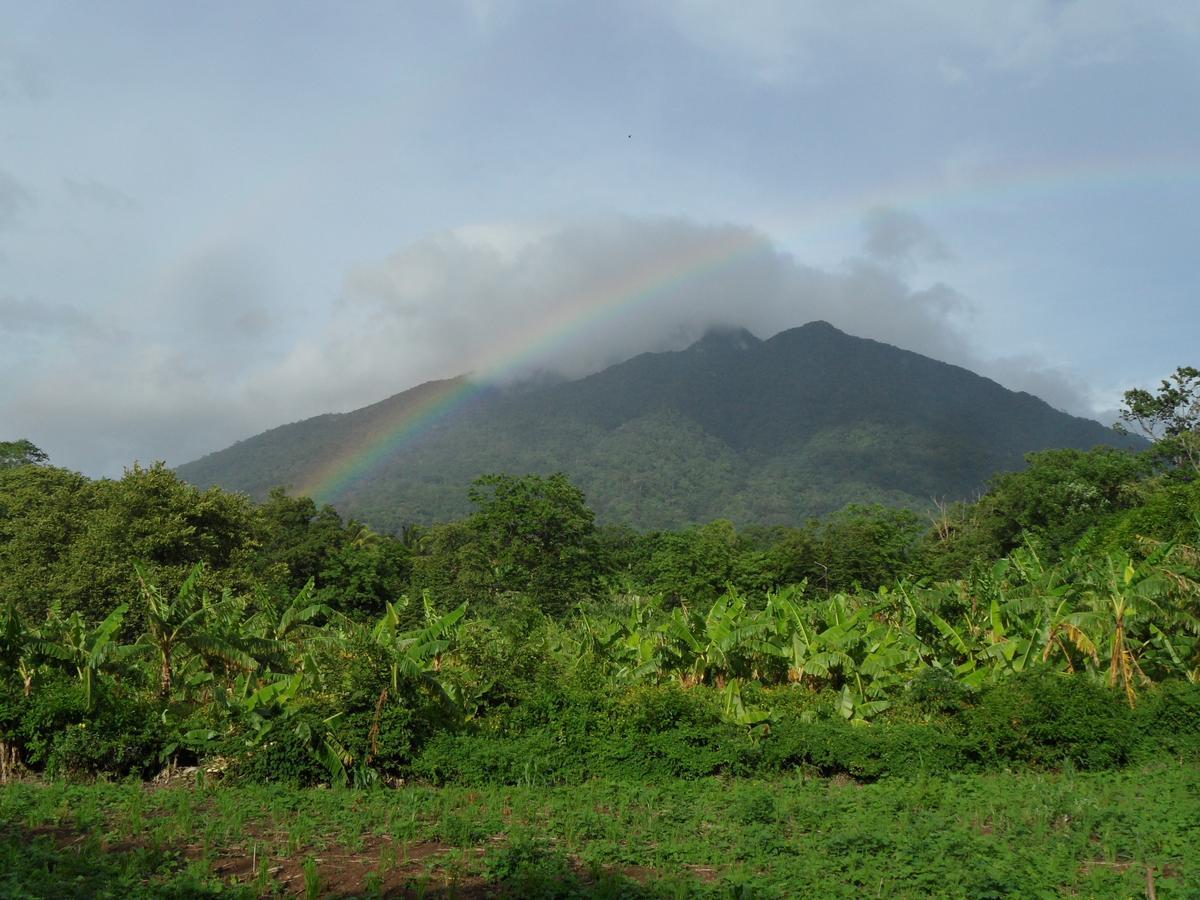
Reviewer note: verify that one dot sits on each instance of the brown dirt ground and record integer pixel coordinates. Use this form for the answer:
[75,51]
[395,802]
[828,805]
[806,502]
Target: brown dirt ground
[411,869]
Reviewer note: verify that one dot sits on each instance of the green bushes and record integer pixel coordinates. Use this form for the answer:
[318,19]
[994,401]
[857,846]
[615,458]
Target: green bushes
[285,758]
[55,730]
[1167,721]
[567,734]
[569,731]
[1045,721]
[836,747]
[1038,720]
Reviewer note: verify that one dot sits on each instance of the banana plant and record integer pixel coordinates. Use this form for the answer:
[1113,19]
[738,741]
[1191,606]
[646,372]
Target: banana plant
[293,622]
[757,720]
[268,708]
[89,650]
[822,643]
[19,647]
[858,703]
[731,639]
[418,653]
[1127,600]
[598,639]
[183,623]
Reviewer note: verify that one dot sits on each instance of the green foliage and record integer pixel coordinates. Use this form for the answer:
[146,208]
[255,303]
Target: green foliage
[20,453]
[1048,720]
[78,539]
[68,733]
[757,432]
[865,546]
[1167,721]
[832,746]
[535,534]
[522,646]
[285,756]
[1054,501]
[694,565]
[936,692]
[356,570]
[1170,418]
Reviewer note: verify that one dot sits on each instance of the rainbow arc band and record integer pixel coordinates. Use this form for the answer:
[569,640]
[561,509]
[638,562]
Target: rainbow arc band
[439,400]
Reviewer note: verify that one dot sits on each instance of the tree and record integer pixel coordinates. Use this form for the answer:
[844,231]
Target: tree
[20,453]
[1169,418]
[1054,501]
[44,513]
[537,535]
[696,565]
[867,546]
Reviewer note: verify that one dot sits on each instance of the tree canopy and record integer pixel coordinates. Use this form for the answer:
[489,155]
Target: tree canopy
[1170,417]
[21,453]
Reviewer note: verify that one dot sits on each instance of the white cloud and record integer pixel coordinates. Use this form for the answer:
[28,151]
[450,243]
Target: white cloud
[898,236]
[511,301]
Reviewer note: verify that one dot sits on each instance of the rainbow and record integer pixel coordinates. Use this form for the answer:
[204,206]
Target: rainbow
[434,402]
[995,186]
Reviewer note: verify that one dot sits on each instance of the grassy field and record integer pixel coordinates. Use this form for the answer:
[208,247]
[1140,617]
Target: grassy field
[1110,834]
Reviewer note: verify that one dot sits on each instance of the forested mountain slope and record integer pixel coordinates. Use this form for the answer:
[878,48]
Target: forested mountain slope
[733,427]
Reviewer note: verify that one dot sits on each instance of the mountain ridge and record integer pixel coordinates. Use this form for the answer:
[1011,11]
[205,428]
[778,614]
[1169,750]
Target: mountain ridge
[759,431]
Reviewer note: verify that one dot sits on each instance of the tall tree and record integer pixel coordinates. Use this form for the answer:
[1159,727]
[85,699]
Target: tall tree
[537,534]
[1170,417]
[20,453]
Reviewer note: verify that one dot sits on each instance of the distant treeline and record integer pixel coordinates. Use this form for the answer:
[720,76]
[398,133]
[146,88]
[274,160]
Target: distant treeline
[68,543]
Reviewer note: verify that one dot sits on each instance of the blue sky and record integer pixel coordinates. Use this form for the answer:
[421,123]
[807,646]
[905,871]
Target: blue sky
[219,217]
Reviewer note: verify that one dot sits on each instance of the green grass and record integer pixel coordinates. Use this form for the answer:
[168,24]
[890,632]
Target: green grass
[1093,834]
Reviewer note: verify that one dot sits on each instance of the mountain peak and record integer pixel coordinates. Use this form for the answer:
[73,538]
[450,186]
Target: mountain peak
[723,338]
[818,325]
[764,432]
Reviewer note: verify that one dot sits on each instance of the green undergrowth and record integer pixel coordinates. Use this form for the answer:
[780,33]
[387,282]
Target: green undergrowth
[566,734]
[982,835]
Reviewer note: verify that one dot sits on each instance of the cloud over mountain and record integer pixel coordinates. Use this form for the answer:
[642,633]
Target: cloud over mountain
[210,366]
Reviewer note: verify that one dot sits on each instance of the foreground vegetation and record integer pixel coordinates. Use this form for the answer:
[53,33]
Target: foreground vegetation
[868,702]
[1098,835]
[1081,652]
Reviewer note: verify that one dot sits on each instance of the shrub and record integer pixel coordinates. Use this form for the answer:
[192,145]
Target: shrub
[283,758]
[1167,720]
[1047,720]
[866,752]
[936,692]
[54,729]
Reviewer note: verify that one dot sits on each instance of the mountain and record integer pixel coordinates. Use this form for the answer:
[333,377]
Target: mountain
[734,427]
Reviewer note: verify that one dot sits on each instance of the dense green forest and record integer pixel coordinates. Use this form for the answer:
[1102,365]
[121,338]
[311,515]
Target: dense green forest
[1050,626]
[179,625]
[757,432]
